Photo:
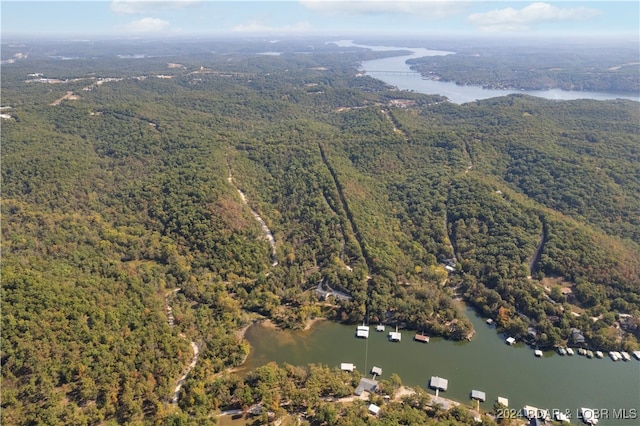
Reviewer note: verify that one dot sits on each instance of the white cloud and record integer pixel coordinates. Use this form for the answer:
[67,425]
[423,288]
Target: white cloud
[510,19]
[131,7]
[259,27]
[430,9]
[146,25]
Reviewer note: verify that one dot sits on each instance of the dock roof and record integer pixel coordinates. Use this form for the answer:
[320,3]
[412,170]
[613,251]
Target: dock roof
[479,395]
[376,370]
[395,336]
[438,383]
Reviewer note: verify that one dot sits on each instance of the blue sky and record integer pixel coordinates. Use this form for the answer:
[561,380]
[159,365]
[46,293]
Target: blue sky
[321,17]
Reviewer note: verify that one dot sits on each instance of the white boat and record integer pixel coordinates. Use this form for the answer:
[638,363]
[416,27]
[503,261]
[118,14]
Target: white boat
[538,353]
[582,351]
[562,351]
[636,354]
[614,355]
[570,352]
[625,356]
[599,354]
[589,354]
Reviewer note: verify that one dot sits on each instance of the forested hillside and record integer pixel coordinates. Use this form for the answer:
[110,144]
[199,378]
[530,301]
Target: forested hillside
[130,191]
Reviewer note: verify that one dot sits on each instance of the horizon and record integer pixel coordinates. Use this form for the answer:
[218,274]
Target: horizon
[581,21]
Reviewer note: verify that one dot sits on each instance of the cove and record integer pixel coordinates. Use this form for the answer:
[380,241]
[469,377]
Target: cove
[485,363]
[411,80]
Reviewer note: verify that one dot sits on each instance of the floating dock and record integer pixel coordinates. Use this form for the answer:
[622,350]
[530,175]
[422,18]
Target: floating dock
[362,332]
[421,338]
[347,366]
[395,336]
[380,327]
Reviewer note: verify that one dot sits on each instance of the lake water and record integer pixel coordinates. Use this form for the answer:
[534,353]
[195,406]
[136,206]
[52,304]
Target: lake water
[411,80]
[485,363]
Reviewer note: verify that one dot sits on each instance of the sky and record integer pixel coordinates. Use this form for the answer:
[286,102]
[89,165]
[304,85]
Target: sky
[502,18]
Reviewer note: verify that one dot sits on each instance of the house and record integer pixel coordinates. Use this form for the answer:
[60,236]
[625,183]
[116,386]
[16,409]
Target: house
[374,409]
[366,385]
[577,337]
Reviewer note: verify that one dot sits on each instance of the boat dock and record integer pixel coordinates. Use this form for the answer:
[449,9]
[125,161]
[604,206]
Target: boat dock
[362,331]
[421,338]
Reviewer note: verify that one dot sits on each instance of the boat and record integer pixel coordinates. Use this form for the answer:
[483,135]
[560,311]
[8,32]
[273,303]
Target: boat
[636,354]
[582,351]
[589,354]
[625,356]
[599,354]
[562,351]
[538,353]
[570,352]
[614,355]
[588,416]
[380,327]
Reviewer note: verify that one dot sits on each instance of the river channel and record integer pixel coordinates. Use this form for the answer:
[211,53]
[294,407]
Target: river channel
[396,72]
[485,363]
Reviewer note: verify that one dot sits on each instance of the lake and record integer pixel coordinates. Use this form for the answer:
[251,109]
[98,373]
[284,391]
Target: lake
[485,363]
[411,80]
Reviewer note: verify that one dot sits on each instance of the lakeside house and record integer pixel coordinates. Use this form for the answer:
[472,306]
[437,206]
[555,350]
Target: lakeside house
[366,385]
[374,409]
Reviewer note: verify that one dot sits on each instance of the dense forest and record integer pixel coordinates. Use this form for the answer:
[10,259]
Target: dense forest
[581,67]
[131,188]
